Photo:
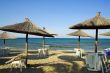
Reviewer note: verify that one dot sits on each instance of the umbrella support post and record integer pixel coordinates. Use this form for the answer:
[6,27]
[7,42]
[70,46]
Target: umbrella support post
[4,43]
[43,39]
[79,42]
[96,41]
[26,48]
[43,42]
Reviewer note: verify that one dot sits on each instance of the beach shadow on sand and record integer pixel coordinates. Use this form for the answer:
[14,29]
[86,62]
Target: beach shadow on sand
[49,68]
[52,68]
[70,58]
[24,70]
[39,68]
[78,64]
[36,57]
[3,60]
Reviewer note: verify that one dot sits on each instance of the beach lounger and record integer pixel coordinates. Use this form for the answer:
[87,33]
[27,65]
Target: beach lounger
[46,49]
[107,52]
[43,52]
[17,61]
[40,53]
[78,52]
[19,64]
[93,62]
[97,62]
[46,52]
[105,63]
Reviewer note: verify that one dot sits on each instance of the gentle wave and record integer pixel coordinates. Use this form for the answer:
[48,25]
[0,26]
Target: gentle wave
[58,43]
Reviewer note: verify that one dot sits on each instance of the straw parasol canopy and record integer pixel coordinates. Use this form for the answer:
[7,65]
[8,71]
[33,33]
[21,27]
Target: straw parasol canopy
[97,22]
[6,36]
[106,33]
[50,32]
[79,33]
[26,27]
[54,34]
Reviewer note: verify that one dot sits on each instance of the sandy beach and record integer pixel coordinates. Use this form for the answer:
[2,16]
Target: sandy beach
[57,62]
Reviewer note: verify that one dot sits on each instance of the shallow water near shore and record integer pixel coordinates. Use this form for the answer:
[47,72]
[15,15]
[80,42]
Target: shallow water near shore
[58,43]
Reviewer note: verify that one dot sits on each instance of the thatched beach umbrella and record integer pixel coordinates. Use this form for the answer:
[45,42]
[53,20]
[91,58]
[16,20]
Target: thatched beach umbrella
[26,27]
[4,36]
[97,22]
[54,34]
[79,33]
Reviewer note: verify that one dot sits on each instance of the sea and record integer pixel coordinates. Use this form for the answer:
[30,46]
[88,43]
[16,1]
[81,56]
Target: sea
[58,43]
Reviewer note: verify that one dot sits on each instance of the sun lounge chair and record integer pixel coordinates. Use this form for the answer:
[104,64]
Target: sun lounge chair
[46,51]
[40,53]
[107,51]
[93,62]
[18,61]
[19,64]
[97,62]
[43,52]
[105,63]
[78,52]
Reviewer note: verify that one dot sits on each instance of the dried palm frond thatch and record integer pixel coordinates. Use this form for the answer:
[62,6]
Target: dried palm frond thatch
[79,33]
[26,27]
[97,22]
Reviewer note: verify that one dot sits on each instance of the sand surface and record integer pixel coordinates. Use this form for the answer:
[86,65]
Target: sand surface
[57,62]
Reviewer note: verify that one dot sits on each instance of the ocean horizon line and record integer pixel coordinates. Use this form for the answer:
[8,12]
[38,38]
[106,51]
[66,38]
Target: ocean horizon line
[59,38]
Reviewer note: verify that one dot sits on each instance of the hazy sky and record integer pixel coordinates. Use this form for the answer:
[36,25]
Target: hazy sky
[56,15]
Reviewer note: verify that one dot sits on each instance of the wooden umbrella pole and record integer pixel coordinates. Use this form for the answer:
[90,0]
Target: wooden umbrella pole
[43,39]
[96,41]
[78,42]
[43,42]
[4,43]
[26,48]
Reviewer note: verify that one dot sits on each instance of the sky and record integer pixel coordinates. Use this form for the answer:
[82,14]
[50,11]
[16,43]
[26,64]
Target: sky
[55,15]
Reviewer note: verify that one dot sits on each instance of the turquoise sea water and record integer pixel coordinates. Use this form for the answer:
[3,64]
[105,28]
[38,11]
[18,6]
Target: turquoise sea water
[58,43]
